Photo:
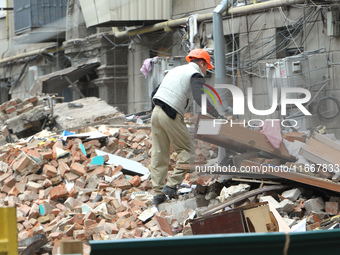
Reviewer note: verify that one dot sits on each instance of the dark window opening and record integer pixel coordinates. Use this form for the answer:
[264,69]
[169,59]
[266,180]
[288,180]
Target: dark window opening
[287,42]
[231,47]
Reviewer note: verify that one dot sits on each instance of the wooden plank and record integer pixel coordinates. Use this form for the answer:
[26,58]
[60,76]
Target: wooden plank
[298,177]
[257,218]
[326,140]
[71,247]
[320,153]
[241,139]
[255,181]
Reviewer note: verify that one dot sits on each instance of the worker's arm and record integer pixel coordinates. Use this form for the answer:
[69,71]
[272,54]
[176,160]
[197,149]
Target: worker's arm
[197,82]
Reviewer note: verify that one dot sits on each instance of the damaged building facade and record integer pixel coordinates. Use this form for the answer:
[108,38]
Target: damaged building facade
[81,48]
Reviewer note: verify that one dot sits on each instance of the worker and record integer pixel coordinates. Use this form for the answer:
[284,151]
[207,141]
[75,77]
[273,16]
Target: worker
[179,88]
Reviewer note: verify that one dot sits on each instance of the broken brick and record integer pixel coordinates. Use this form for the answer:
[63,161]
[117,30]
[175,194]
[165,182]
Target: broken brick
[59,192]
[135,180]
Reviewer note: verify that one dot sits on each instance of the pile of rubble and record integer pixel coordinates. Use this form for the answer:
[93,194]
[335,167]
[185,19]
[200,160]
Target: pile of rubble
[88,186]
[22,118]
[93,183]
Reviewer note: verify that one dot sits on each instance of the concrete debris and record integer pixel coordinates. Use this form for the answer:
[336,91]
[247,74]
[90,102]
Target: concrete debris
[233,191]
[93,183]
[26,117]
[80,185]
[292,194]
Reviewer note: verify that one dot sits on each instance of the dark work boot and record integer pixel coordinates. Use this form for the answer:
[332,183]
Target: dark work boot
[171,192]
[158,200]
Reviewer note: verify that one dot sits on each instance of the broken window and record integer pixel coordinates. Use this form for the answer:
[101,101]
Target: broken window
[287,42]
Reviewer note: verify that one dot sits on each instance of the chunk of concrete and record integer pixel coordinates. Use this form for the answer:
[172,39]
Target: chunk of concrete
[292,194]
[178,206]
[287,205]
[271,200]
[315,205]
[290,222]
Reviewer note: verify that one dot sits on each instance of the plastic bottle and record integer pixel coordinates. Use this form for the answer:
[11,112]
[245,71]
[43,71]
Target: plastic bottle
[139,120]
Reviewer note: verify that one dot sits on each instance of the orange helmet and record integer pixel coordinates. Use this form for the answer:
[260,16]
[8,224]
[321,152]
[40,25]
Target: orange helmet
[199,53]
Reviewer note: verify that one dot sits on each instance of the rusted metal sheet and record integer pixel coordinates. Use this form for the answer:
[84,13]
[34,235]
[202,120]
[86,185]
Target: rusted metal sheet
[240,139]
[225,222]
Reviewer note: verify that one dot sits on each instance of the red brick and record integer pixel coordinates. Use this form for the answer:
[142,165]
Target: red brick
[47,183]
[25,209]
[11,109]
[89,215]
[14,191]
[47,155]
[122,183]
[34,153]
[132,130]
[79,218]
[123,214]
[33,99]
[138,138]
[332,208]
[55,212]
[80,183]
[34,212]
[103,185]
[78,169]
[10,182]
[134,145]
[3,156]
[20,165]
[99,172]
[59,192]
[135,180]
[108,171]
[55,235]
[71,177]
[5,189]
[50,171]
[116,170]
[63,168]
[42,194]
[89,222]
[3,106]
[80,234]
[26,108]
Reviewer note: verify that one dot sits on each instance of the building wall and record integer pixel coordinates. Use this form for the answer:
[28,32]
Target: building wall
[260,27]
[122,84]
[17,48]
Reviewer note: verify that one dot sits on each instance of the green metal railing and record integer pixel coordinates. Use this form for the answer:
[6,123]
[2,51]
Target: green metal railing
[274,243]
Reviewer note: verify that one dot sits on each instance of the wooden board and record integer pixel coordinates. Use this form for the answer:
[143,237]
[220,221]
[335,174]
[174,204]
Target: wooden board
[241,139]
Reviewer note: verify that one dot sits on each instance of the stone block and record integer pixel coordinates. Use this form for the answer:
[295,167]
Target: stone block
[314,205]
[292,194]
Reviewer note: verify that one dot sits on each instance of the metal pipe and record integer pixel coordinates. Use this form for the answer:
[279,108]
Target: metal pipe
[219,57]
[31,53]
[262,6]
[161,25]
[235,10]
[7,29]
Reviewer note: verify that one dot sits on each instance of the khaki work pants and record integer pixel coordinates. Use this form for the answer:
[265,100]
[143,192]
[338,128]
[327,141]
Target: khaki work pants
[166,131]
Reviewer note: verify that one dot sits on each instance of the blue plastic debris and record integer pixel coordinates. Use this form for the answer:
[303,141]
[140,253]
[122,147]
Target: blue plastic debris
[99,160]
[66,133]
[83,149]
[42,210]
